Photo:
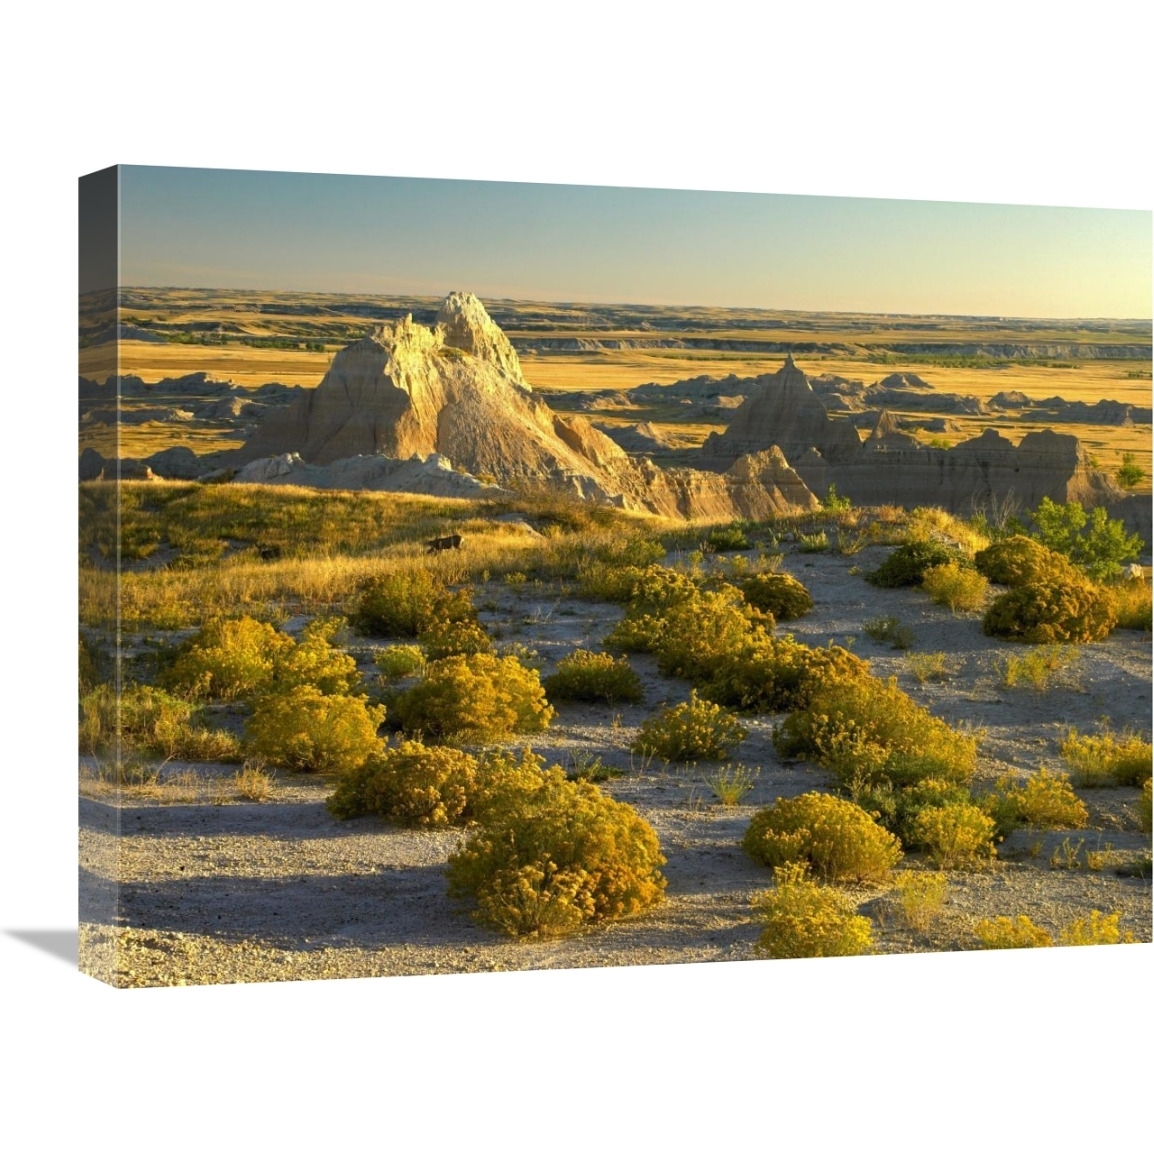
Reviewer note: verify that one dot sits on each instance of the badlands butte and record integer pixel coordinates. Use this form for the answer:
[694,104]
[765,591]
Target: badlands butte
[449,408]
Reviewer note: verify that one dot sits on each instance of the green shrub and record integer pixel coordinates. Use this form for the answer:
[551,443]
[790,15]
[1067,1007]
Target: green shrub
[955,586]
[693,729]
[479,696]
[772,674]
[406,603]
[307,731]
[804,920]
[151,722]
[779,594]
[400,661]
[1020,560]
[729,539]
[1011,934]
[1129,473]
[1144,807]
[1043,612]
[1043,800]
[955,836]
[418,785]
[446,638]
[546,863]
[907,564]
[586,676]
[1093,541]
[869,732]
[838,839]
[1106,759]
[228,658]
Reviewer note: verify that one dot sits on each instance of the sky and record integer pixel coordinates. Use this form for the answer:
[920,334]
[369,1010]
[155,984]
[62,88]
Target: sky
[220,228]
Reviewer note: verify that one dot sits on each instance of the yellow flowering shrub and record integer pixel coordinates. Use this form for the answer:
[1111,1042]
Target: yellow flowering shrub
[838,840]
[314,660]
[307,731]
[407,602]
[1044,800]
[586,676]
[548,862]
[228,658]
[418,785]
[693,729]
[956,586]
[478,695]
[955,836]
[1011,934]
[1097,929]
[448,638]
[868,732]
[804,920]
[1020,560]
[1106,759]
[779,594]
[1055,609]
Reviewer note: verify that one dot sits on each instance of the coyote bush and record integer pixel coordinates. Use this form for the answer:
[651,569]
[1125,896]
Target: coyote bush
[956,835]
[419,785]
[1054,610]
[770,674]
[779,594]
[228,658]
[406,603]
[547,862]
[869,732]
[956,586]
[907,564]
[478,696]
[307,731]
[805,920]
[693,729]
[838,840]
[151,722]
[586,676]
[1020,560]
[1011,934]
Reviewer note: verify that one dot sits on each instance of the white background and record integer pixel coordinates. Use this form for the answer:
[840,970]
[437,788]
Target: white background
[999,102]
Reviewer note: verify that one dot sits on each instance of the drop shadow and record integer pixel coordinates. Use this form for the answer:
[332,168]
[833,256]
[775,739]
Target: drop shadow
[60,944]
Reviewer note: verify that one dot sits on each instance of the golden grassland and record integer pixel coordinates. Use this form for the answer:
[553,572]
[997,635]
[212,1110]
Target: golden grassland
[246,366]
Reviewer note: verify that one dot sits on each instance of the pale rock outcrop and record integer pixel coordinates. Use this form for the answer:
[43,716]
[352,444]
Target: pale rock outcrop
[457,390]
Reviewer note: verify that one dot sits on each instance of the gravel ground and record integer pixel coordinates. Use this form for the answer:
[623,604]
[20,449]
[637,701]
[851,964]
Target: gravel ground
[216,889]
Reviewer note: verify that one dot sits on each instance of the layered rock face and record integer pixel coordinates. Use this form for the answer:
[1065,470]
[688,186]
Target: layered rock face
[457,391]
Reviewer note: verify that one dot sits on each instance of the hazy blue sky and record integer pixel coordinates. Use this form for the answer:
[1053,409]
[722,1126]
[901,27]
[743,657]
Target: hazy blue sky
[371,234]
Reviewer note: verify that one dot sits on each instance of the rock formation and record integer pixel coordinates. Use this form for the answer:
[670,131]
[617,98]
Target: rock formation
[456,390]
[783,410]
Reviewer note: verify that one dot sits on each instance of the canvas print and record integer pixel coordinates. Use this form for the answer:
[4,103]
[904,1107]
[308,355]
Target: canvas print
[482,576]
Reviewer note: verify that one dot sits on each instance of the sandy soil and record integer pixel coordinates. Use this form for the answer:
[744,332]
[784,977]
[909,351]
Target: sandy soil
[214,890]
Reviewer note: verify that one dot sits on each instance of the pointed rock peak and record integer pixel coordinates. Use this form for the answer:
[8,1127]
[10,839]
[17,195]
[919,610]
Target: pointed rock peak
[464,324]
[789,372]
[885,426]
